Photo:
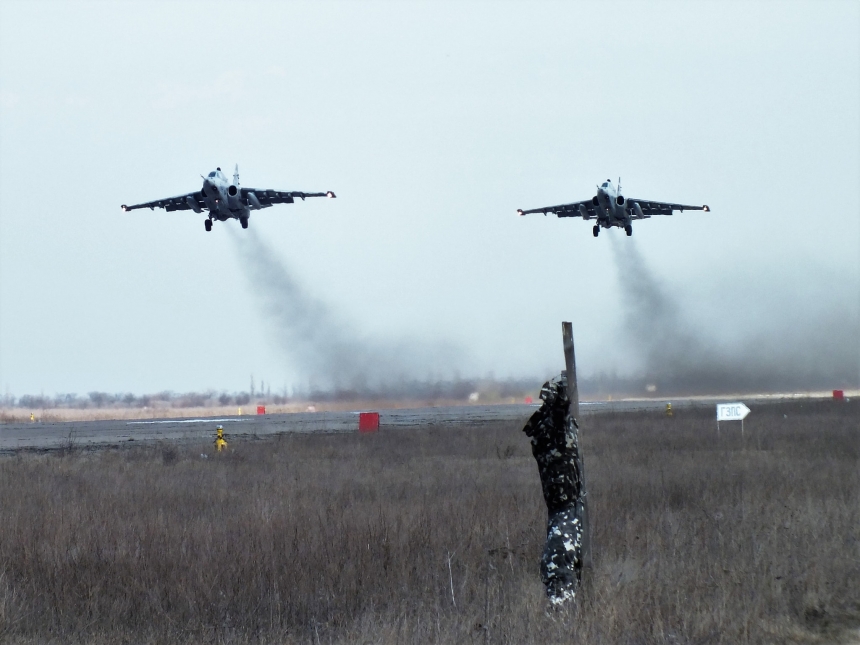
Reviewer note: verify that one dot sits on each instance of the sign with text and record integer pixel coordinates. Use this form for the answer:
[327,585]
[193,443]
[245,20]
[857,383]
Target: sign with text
[732,411]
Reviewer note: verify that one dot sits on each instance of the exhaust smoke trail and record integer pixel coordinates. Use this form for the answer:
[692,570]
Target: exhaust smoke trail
[810,346]
[328,351]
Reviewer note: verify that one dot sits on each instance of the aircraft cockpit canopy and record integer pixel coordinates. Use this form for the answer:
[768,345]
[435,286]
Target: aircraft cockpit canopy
[212,174]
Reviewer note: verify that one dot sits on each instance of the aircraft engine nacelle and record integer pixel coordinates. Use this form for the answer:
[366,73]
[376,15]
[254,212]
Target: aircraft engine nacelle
[620,200]
[595,201]
[232,190]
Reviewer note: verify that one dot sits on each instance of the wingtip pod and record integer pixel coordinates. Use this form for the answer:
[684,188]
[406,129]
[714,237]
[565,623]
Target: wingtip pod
[330,195]
[520,212]
[706,208]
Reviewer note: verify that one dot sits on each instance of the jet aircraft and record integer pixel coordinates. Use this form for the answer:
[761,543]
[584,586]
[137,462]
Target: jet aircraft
[610,208]
[226,201]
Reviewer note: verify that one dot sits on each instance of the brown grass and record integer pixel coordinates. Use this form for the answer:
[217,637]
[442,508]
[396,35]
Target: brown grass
[348,539]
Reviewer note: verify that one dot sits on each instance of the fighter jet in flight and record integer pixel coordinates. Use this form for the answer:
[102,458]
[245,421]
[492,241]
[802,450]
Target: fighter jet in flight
[226,201]
[610,208]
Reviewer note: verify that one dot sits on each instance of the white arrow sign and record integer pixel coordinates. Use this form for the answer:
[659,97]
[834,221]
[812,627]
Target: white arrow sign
[732,411]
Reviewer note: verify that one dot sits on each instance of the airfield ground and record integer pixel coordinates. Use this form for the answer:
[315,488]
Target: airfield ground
[51,435]
[431,530]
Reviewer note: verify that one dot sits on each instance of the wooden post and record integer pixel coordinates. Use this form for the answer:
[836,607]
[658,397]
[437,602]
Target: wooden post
[573,395]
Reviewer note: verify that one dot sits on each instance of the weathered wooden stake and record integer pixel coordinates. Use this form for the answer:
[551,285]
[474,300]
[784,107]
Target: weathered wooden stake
[554,433]
[573,395]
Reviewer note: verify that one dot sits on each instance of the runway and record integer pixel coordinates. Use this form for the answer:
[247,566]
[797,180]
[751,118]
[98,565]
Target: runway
[80,434]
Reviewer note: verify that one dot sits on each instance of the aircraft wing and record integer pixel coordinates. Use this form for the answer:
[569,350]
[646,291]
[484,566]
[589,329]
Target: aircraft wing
[585,210]
[650,208]
[179,203]
[267,197]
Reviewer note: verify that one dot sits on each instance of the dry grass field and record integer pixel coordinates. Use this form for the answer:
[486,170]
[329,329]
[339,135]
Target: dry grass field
[433,535]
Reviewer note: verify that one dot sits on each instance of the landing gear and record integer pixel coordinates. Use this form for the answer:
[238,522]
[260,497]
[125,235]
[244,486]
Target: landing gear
[244,222]
[596,230]
[208,224]
[629,230]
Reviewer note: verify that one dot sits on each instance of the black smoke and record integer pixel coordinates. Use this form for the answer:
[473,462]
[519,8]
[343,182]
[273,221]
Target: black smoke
[328,350]
[798,345]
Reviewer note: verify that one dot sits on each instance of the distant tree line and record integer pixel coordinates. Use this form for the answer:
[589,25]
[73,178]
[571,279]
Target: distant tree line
[488,389]
[129,400]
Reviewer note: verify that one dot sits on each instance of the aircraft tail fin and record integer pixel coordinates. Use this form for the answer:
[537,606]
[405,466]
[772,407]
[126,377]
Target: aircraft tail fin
[236,176]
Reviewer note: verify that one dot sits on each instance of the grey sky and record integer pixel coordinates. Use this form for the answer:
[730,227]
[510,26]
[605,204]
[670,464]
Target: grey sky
[433,122]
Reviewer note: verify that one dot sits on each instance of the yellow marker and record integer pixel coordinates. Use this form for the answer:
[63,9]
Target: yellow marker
[32,417]
[240,412]
[669,410]
[220,442]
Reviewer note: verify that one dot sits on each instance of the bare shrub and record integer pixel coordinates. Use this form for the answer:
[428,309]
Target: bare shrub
[169,453]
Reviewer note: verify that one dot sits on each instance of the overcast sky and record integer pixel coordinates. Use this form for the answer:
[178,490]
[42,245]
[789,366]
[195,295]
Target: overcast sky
[433,122]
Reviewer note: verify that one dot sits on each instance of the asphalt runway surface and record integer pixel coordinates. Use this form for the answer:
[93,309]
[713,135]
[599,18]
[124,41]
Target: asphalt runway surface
[81,434]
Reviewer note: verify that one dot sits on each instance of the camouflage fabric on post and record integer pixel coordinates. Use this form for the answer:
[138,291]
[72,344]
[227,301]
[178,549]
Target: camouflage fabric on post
[555,446]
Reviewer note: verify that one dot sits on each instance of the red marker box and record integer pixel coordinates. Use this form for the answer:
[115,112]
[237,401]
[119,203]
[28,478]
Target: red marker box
[368,421]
